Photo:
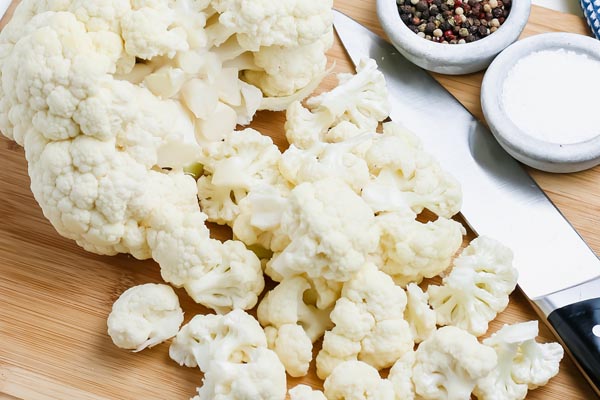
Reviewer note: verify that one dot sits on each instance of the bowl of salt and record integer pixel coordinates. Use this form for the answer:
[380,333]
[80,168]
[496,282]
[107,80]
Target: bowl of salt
[540,99]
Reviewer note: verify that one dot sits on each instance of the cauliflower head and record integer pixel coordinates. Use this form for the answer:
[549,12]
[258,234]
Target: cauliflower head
[330,230]
[477,288]
[369,323]
[144,316]
[356,380]
[449,363]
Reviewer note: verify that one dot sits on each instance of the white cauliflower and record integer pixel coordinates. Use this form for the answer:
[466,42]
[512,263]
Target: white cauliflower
[144,316]
[260,376]
[407,178]
[355,106]
[304,392]
[420,317]
[356,380]
[477,288]
[449,363]
[292,325]
[410,250]
[522,363]
[369,323]
[243,161]
[401,377]
[330,230]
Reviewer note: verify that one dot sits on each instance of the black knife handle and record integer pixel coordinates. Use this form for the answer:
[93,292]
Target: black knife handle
[578,325]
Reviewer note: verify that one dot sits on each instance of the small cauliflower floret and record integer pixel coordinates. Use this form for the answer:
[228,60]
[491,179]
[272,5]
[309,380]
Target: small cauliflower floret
[292,325]
[522,363]
[401,377]
[369,323]
[330,230]
[243,161]
[407,178]
[355,106]
[261,376]
[477,288]
[356,380]
[449,363]
[420,317]
[410,250]
[304,392]
[144,316]
[328,160]
[229,338]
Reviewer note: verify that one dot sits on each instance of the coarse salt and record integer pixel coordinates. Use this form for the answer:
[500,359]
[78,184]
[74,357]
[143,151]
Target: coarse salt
[552,95]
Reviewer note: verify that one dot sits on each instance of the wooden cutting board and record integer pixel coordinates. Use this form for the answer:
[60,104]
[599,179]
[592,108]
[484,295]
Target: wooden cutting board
[54,297]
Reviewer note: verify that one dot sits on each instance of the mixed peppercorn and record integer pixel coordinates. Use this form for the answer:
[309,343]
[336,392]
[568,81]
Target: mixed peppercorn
[453,21]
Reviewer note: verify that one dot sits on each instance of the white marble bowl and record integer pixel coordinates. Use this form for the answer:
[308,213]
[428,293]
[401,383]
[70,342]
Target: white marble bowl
[537,153]
[452,59]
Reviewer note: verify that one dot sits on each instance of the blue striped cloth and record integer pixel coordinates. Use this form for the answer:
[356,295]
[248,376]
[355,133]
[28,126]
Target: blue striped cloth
[591,11]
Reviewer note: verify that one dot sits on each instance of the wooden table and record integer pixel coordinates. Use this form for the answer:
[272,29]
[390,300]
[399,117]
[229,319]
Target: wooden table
[54,297]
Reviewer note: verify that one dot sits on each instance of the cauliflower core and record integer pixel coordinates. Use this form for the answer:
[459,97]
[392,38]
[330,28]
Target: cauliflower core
[144,316]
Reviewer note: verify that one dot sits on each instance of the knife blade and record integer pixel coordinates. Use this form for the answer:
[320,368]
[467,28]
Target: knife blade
[4,4]
[558,271]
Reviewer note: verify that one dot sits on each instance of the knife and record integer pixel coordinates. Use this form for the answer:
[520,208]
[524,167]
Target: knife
[558,271]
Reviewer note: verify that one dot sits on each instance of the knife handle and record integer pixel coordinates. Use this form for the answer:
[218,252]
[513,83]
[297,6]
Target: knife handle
[578,325]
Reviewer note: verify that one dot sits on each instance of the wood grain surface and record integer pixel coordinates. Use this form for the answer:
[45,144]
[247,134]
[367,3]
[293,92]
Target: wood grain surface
[55,297]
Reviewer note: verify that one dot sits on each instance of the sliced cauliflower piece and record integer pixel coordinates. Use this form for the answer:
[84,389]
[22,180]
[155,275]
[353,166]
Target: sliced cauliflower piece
[356,380]
[419,315]
[410,250]
[305,392]
[355,106]
[330,229]
[243,161]
[407,178]
[144,316]
[449,363]
[401,376]
[477,288]
[206,338]
[292,325]
[260,376]
[369,323]
[522,362]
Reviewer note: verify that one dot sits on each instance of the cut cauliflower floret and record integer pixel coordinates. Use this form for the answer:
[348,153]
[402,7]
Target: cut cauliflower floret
[410,250]
[355,106]
[401,377]
[304,392]
[291,325]
[449,363]
[243,161]
[407,178]
[144,316]
[369,323]
[420,317]
[477,288]
[356,380]
[330,230]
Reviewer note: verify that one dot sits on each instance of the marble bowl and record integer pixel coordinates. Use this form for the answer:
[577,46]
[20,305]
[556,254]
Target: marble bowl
[452,59]
[537,153]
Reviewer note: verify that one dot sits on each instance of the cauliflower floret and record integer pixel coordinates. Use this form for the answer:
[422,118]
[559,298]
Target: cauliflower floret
[410,250]
[420,317]
[449,363]
[292,325]
[477,288]
[369,323]
[355,106]
[330,230]
[304,392]
[144,316]
[356,380]
[261,376]
[243,161]
[522,363]
[206,338]
[401,377]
